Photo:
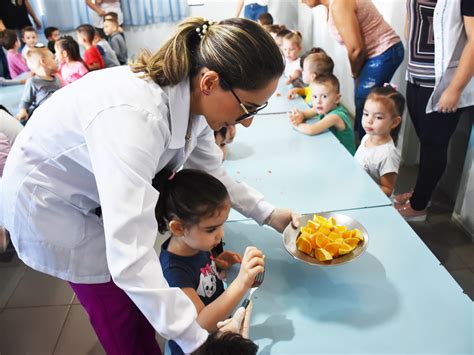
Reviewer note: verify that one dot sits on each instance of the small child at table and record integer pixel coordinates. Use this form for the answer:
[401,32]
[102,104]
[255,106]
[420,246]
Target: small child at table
[41,86]
[381,120]
[291,48]
[332,116]
[92,57]
[194,206]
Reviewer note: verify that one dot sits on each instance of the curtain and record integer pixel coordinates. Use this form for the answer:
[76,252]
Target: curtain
[68,14]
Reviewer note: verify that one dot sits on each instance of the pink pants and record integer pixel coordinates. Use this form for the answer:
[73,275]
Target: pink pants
[120,326]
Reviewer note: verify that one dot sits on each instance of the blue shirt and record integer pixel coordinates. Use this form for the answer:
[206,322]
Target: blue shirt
[197,272]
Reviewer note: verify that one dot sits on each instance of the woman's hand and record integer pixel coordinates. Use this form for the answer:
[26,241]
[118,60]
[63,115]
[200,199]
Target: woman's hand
[296,116]
[280,218]
[252,264]
[226,259]
[449,101]
[239,323]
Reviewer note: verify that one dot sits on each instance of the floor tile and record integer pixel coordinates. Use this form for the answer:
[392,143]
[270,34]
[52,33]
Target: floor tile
[465,279]
[466,253]
[30,330]
[48,291]
[9,280]
[77,335]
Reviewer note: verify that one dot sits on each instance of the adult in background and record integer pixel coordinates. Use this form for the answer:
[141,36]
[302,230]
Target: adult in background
[374,50]
[252,9]
[102,7]
[14,14]
[440,82]
[78,195]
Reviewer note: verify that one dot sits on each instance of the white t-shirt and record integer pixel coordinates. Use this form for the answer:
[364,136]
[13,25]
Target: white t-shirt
[260,2]
[98,21]
[291,66]
[379,160]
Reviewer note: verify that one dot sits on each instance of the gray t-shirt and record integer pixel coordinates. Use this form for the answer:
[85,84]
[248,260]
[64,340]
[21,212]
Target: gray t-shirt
[110,58]
[36,91]
[117,42]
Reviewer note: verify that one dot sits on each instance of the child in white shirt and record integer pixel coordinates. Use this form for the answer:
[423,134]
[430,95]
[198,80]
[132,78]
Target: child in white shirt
[291,48]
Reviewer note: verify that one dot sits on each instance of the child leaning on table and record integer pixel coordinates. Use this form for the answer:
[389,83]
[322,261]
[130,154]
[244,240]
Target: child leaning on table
[381,120]
[194,206]
[332,116]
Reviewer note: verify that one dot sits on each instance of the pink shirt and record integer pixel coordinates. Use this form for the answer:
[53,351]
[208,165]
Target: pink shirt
[16,64]
[376,33]
[69,72]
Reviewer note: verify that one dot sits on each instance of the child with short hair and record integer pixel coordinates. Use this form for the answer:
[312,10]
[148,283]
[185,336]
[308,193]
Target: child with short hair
[116,40]
[332,116]
[194,206]
[265,19]
[381,120]
[16,62]
[71,65]
[291,47]
[106,51]
[29,36]
[313,63]
[52,34]
[41,86]
[85,35]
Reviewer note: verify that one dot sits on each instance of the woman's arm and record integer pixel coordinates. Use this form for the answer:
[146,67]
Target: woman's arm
[344,15]
[240,5]
[95,7]
[30,10]
[319,127]
[449,100]
[387,183]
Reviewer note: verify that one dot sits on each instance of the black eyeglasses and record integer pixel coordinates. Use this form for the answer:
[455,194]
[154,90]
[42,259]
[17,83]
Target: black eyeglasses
[248,114]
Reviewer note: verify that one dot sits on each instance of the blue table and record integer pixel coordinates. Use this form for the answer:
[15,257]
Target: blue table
[305,173]
[279,103]
[10,97]
[395,298]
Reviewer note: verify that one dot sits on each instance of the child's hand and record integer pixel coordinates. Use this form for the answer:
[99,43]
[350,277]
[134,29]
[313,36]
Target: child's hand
[239,323]
[22,115]
[289,81]
[252,264]
[296,117]
[226,259]
[292,93]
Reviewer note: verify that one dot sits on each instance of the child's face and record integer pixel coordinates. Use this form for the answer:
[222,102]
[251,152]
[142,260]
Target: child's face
[49,63]
[378,119]
[291,49]
[308,75]
[55,36]
[209,232]
[109,28]
[30,38]
[324,97]
[60,54]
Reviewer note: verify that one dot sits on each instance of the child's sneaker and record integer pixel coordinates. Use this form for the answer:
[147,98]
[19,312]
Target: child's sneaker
[412,215]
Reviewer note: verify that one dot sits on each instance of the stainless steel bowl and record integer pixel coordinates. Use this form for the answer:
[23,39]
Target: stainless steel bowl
[290,234]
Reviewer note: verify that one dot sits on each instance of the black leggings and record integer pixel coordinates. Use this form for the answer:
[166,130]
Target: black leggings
[434,131]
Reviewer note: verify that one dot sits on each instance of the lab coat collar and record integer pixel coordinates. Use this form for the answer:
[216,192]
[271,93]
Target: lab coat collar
[179,97]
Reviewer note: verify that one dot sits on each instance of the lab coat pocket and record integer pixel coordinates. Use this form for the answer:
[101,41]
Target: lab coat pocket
[54,220]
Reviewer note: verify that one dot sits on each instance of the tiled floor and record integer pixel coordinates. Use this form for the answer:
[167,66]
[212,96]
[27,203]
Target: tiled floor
[40,314]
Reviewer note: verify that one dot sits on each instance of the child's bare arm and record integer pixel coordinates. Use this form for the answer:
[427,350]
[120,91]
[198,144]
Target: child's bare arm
[320,126]
[387,183]
[208,316]
[295,75]
[23,114]
[295,91]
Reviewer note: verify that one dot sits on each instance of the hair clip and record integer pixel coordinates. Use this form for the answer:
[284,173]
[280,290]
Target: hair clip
[393,86]
[202,30]
[171,176]
[39,45]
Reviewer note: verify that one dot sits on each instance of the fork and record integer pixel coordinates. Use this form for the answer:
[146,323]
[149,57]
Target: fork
[258,281]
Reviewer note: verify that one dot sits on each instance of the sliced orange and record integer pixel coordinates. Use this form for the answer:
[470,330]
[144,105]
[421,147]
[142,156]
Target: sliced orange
[352,241]
[341,229]
[304,245]
[320,219]
[325,230]
[347,234]
[322,254]
[345,249]
[333,236]
[320,240]
[306,229]
[332,220]
[358,234]
[333,248]
[314,225]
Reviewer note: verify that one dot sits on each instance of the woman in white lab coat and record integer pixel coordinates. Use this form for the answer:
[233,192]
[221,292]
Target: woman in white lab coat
[77,193]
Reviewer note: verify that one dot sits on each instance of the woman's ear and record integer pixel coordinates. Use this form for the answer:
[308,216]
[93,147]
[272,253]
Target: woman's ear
[176,227]
[209,81]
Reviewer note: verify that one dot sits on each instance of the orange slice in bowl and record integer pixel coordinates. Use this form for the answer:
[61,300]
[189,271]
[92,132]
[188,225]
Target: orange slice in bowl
[345,249]
[320,240]
[322,254]
[304,245]
[352,242]
[333,248]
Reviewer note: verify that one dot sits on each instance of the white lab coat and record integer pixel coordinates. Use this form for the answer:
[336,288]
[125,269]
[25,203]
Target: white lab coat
[99,142]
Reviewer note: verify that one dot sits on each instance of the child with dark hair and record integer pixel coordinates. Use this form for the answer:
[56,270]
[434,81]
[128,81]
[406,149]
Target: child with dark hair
[29,36]
[105,50]
[52,34]
[16,63]
[265,19]
[228,343]
[194,206]
[381,120]
[330,114]
[116,39]
[92,58]
[71,65]
[280,35]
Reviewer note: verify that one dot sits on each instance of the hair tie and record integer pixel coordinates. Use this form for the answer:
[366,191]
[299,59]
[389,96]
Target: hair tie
[202,30]
[171,176]
[393,86]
